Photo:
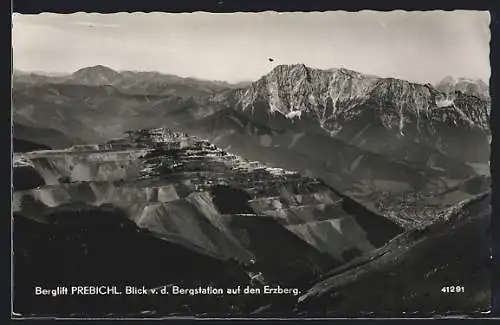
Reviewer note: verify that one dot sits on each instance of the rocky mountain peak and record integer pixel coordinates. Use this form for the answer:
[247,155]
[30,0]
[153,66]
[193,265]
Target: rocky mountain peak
[294,89]
[341,94]
[96,75]
[284,68]
[472,87]
[96,68]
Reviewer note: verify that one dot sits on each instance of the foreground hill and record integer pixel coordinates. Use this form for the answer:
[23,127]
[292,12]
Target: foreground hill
[407,277]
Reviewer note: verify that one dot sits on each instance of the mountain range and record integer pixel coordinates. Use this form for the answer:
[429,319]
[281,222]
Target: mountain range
[142,82]
[347,175]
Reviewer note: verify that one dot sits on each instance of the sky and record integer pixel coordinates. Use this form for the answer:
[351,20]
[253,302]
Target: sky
[416,46]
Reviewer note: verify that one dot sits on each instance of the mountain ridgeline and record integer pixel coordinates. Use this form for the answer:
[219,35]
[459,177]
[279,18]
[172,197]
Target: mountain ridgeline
[347,104]
[135,82]
[331,96]
[341,95]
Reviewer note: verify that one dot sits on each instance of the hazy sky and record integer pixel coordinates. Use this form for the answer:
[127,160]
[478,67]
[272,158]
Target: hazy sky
[417,46]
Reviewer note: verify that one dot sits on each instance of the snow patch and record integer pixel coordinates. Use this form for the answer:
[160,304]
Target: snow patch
[293,114]
[444,102]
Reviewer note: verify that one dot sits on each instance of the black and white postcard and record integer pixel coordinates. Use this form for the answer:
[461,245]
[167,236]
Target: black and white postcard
[276,164]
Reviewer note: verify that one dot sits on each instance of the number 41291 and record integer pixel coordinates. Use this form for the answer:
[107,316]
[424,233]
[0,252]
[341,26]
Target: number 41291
[453,289]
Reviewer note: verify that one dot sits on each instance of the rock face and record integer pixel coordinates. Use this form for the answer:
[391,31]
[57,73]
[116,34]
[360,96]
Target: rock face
[356,108]
[296,90]
[339,95]
[374,114]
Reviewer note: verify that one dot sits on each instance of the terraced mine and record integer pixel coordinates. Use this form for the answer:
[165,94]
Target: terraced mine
[187,192]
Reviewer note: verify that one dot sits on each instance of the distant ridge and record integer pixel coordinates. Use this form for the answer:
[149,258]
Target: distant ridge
[139,82]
